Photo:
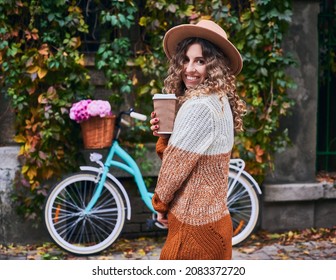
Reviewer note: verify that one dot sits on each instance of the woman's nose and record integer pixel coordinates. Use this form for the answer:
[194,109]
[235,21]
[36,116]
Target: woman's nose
[190,67]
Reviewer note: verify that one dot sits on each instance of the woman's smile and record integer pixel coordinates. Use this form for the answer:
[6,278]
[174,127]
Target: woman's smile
[194,67]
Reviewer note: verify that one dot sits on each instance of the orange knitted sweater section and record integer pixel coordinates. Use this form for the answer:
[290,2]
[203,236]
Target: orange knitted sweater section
[192,183]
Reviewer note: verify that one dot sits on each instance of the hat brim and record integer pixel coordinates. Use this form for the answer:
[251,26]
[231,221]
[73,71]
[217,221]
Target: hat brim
[181,32]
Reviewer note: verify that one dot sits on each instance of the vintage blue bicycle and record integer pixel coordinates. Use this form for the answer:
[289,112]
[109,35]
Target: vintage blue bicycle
[85,213]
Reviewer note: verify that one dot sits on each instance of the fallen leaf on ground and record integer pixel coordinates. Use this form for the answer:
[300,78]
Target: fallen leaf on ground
[247,250]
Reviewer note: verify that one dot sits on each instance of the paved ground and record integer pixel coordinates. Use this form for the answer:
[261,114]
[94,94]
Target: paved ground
[311,250]
[314,245]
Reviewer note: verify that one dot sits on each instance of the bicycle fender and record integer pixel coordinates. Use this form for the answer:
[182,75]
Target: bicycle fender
[117,182]
[255,184]
[243,172]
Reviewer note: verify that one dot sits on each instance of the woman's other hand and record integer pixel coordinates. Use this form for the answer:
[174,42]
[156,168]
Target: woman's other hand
[162,218]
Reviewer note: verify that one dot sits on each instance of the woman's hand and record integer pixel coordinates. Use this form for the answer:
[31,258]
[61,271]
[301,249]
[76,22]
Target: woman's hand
[162,218]
[155,126]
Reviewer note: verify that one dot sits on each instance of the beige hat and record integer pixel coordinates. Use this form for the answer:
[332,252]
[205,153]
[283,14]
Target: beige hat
[205,29]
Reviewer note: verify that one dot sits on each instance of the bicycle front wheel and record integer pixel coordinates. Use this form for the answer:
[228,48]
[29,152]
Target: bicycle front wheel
[71,227]
[243,204]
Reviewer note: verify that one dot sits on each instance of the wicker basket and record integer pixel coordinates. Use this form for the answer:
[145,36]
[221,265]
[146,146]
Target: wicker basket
[98,132]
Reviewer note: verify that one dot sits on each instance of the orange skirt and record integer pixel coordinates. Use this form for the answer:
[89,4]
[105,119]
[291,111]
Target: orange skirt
[211,241]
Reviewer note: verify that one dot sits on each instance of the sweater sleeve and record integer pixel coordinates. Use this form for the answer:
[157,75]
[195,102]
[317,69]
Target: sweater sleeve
[193,134]
[161,145]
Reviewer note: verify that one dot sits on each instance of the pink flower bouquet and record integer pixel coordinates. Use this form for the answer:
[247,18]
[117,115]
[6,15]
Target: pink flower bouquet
[84,109]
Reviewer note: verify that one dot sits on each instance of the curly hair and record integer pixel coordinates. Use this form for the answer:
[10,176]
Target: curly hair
[219,80]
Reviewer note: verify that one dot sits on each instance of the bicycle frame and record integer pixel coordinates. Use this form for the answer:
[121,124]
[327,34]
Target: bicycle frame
[128,165]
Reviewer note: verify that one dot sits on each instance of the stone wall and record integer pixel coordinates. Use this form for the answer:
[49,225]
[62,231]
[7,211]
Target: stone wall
[295,206]
[292,199]
[12,227]
[297,162]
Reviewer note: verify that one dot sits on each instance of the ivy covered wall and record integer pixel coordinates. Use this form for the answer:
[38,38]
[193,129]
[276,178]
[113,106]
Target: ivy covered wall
[44,49]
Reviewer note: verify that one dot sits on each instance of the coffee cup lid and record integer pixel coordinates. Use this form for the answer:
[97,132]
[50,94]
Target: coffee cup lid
[164,96]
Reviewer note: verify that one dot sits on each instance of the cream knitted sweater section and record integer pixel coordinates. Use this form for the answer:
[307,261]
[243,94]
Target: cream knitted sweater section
[193,178]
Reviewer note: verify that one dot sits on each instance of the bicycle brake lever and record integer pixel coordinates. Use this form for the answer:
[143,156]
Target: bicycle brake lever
[124,122]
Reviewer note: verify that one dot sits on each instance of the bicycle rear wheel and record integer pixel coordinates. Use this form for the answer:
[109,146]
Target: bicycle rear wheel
[243,204]
[76,231]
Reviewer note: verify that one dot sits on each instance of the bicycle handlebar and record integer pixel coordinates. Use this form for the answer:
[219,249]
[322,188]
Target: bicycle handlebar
[130,113]
[138,116]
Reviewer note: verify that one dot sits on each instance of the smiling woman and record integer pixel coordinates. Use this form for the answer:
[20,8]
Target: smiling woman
[191,192]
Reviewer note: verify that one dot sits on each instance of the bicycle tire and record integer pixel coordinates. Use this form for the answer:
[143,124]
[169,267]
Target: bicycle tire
[72,229]
[243,204]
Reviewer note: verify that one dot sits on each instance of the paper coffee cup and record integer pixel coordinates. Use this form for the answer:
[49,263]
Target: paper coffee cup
[165,109]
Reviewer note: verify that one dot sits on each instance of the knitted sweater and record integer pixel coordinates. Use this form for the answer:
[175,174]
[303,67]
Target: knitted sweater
[192,183]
